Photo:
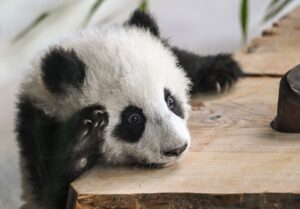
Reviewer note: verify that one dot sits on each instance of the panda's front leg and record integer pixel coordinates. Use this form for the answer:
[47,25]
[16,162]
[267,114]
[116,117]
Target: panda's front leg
[209,73]
[87,129]
[78,149]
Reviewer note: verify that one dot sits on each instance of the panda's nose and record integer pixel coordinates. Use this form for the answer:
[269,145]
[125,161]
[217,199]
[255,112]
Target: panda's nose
[175,152]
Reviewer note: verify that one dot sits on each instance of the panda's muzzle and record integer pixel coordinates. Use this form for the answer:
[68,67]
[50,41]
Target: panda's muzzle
[175,152]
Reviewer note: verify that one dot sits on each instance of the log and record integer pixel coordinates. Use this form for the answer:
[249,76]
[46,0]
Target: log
[236,159]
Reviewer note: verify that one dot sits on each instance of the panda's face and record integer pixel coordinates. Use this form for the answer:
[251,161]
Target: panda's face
[147,102]
[134,76]
[150,130]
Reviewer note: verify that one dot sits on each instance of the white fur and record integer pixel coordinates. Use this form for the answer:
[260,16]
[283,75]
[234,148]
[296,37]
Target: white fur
[125,65]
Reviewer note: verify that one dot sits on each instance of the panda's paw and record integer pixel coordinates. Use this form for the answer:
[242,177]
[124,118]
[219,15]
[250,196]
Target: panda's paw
[221,74]
[86,134]
[92,120]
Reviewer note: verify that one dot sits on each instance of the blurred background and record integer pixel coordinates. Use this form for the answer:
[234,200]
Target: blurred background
[26,27]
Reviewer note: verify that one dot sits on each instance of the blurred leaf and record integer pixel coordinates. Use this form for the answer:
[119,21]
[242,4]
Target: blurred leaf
[37,21]
[275,9]
[144,6]
[92,12]
[272,3]
[244,18]
[40,18]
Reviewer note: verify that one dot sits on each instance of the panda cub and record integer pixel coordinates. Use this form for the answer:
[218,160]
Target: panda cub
[118,94]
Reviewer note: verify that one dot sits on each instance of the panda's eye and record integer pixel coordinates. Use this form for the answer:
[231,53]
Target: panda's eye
[134,119]
[170,102]
[173,103]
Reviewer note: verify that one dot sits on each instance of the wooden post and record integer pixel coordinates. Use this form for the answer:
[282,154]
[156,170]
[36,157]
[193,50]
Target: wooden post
[288,107]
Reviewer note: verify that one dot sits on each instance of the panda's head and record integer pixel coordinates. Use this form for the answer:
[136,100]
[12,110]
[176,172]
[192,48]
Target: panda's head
[134,75]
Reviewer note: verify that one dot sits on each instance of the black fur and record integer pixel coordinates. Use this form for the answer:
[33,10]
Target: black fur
[176,109]
[176,151]
[130,132]
[144,20]
[51,150]
[62,68]
[206,72]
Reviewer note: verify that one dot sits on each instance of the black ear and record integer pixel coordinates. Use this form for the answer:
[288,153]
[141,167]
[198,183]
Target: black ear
[62,68]
[144,20]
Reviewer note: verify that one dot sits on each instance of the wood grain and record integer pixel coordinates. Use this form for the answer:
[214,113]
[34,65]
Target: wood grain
[234,152]
[236,160]
[189,201]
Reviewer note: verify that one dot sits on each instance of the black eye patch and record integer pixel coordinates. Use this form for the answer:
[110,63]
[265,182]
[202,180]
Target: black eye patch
[173,103]
[131,126]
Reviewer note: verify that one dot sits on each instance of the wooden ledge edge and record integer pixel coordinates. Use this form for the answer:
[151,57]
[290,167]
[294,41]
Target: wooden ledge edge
[182,200]
[72,198]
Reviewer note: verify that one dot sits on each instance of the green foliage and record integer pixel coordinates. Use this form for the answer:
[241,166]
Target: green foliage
[272,10]
[144,6]
[92,12]
[36,22]
[244,18]
[46,14]
[272,3]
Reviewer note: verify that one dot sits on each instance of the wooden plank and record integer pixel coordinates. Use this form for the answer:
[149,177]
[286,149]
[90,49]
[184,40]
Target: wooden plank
[236,160]
[276,51]
[234,152]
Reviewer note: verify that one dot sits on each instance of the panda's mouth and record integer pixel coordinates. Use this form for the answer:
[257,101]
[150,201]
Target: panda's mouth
[156,165]
[152,164]
[167,157]
[175,152]
[166,162]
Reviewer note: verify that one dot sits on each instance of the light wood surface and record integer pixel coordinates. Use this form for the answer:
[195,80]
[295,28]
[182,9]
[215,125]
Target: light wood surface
[236,160]
[234,151]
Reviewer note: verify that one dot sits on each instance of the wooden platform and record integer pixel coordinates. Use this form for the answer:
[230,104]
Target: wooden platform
[236,159]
